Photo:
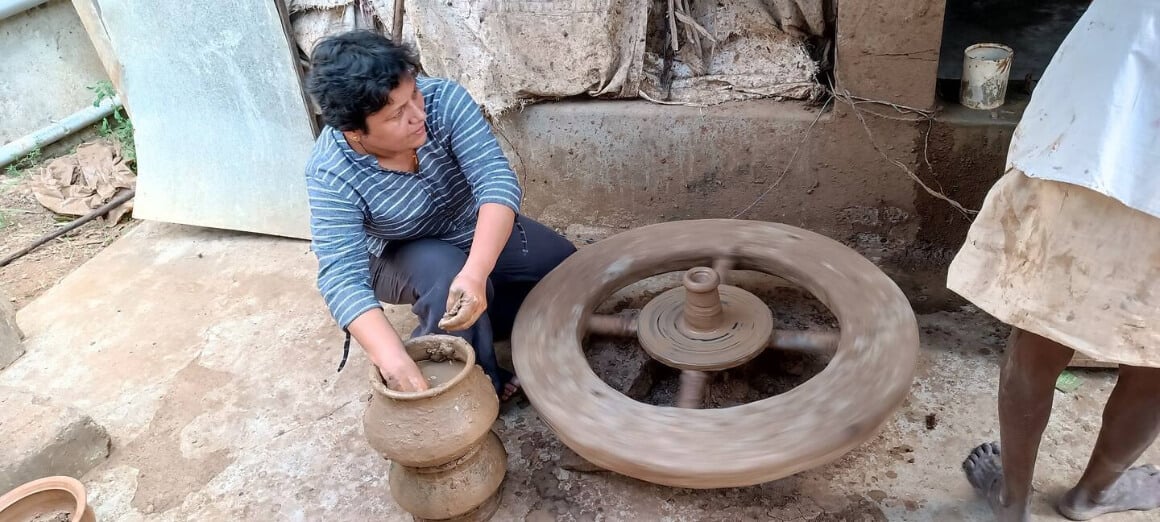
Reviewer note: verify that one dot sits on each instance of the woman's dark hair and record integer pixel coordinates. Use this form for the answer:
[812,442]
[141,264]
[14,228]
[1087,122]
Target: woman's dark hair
[352,73]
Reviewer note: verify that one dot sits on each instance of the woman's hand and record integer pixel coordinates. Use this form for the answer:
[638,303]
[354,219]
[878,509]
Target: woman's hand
[467,297]
[402,374]
[385,350]
[466,302]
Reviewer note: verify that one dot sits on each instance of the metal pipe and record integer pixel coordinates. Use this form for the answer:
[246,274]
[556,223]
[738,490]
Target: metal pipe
[14,7]
[118,200]
[15,150]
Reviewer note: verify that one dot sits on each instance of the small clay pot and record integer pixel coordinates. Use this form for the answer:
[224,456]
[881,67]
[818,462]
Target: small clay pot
[462,490]
[432,427]
[44,497]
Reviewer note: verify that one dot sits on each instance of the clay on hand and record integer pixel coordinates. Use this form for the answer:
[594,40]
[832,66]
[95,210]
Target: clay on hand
[464,305]
[404,377]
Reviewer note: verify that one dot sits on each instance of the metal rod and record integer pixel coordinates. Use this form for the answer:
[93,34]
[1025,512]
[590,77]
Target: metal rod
[397,22]
[14,7]
[619,325]
[692,392]
[118,200]
[807,341]
[15,150]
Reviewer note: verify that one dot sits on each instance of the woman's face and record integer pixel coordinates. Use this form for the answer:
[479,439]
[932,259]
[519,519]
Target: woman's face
[400,126]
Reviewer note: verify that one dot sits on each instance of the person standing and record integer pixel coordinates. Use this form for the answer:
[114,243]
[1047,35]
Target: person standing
[1066,250]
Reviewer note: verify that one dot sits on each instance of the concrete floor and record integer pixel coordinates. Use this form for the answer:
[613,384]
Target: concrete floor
[210,359]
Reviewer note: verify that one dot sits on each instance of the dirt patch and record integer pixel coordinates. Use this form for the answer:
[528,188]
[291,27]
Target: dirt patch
[964,161]
[22,221]
[59,516]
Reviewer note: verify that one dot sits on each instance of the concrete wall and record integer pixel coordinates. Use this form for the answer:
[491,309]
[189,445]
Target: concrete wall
[628,163]
[46,65]
[622,164]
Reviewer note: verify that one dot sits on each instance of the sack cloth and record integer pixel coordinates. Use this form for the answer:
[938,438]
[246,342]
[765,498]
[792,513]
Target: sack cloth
[77,184]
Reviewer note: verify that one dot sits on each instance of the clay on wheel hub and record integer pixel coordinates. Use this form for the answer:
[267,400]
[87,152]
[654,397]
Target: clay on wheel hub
[820,420]
[704,325]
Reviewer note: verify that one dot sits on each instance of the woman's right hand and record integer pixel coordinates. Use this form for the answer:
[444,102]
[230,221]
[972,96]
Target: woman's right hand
[385,350]
[402,374]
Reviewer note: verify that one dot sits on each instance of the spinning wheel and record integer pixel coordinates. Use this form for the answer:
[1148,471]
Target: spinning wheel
[706,325]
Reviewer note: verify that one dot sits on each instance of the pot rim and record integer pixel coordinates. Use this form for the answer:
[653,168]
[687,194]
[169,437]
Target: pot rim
[463,352]
[30,489]
[989,45]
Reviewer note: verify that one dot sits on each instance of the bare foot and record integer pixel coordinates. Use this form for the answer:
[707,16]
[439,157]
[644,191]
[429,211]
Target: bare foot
[1138,489]
[984,471]
[510,389]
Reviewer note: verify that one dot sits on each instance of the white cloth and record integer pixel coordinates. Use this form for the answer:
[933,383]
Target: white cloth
[1094,118]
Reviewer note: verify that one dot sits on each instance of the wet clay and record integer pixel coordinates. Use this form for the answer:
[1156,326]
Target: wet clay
[815,423]
[440,373]
[446,463]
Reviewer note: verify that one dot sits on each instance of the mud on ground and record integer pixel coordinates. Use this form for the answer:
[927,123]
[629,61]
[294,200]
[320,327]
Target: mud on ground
[22,221]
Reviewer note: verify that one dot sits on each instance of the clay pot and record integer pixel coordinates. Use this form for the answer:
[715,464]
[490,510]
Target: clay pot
[44,497]
[432,427]
[466,489]
[446,464]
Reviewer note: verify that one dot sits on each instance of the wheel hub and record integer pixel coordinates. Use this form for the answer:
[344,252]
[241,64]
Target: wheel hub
[704,325]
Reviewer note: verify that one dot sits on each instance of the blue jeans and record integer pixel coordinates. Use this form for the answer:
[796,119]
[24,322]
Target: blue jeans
[419,273]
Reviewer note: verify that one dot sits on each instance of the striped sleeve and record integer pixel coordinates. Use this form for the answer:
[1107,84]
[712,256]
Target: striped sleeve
[340,242]
[477,151]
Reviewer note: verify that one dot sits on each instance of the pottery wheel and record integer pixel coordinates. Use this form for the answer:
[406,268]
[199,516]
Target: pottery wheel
[706,325]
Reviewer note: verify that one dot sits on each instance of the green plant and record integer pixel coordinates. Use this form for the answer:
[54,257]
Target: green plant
[117,126]
[29,160]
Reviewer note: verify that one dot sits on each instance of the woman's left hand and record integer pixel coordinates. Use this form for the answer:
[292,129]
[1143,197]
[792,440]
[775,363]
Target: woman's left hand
[466,302]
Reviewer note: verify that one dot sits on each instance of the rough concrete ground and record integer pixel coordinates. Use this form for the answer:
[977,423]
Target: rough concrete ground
[210,359]
[44,439]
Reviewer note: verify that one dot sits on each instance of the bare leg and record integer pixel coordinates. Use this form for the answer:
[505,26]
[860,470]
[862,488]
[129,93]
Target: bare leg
[1131,423]
[1026,392]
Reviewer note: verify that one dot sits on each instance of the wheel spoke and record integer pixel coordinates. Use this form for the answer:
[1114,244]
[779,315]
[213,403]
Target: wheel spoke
[692,392]
[722,265]
[807,341]
[615,325]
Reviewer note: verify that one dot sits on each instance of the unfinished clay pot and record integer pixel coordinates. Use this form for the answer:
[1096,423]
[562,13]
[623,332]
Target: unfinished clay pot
[452,492]
[446,464]
[46,496]
[431,427]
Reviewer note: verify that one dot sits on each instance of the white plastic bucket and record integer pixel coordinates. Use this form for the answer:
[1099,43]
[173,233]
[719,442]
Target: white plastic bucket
[986,67]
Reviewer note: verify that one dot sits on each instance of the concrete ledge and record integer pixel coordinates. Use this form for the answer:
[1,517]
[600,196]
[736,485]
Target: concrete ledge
[41,439]
[11,338]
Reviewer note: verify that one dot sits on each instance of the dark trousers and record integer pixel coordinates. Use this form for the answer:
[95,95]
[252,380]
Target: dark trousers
[419,273]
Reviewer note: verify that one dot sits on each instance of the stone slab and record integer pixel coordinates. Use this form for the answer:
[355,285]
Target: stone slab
[246,128]
[43,439]
[890,51]
[11,338]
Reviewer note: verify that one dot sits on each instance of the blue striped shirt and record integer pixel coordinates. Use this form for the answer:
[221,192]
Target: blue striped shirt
[357,207]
